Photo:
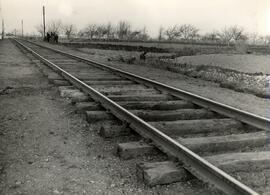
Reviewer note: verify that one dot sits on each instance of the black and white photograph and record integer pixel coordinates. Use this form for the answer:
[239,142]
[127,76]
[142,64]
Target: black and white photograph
[134,97]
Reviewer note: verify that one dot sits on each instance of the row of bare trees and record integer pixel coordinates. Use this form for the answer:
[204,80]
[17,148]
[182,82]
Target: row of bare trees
[184,32]
[123,31]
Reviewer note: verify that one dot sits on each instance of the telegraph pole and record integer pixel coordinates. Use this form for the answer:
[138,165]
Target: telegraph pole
[15,32]
[2,16]
[44,27]
[22,28]
[3,29]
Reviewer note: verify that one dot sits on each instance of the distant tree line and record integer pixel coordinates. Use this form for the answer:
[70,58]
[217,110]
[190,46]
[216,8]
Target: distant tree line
[123,31]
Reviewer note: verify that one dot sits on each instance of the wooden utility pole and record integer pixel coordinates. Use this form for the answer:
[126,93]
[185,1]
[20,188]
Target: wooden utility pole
[3,29]
[44,27]
[15,32]
[22,28]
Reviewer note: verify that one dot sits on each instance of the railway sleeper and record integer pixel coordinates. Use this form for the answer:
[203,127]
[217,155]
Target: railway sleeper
[172,115]
[119,87]
[98,78]
[130,150]
[85,72]
[77,68]
[46,71]
[69,93]
[60,82]
[79,97]
[165,105]
[97,115]
[59,58]
[157,105]
[110,131]
[55,76]
[74,94]
[70,63]
[187,127]
[244,161]
[146,91]
[217,144]
[141,97]
[160,173]
[90,72]
[66,87]
[109,82]
[82,107]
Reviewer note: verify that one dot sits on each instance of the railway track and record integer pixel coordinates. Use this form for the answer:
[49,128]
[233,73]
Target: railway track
[181,124]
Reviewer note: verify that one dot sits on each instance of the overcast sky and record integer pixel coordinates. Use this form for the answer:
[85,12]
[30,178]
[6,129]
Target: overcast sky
[208,15]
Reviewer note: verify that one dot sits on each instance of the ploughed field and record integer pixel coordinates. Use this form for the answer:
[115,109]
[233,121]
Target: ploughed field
[247,63]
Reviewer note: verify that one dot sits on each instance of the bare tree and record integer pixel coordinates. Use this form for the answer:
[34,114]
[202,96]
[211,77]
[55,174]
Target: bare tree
[209,37]
[237,33]
[39,29]
[265,40]
[110,29]
[212,36]
[188,31]
[253,38]
[225,35]
[140,35]
[143,35]
[232,34]
[81,33]
[69,30]
[134,35]
[101,31]
[185,31]
[123,29]
[173,32]
[54,26]
[90,31]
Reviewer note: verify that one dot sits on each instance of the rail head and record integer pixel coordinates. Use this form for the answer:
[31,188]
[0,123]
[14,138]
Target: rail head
[195,164]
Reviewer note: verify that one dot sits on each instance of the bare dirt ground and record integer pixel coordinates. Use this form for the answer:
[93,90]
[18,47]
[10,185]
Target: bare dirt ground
[211,90]
[45,148]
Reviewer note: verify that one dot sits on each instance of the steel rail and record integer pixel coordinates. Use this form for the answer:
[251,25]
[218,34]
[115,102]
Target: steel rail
[193,162]
[243,116]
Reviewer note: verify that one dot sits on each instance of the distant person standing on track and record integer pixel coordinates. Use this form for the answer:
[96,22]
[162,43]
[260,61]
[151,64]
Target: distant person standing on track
[48,37]
[56,38]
